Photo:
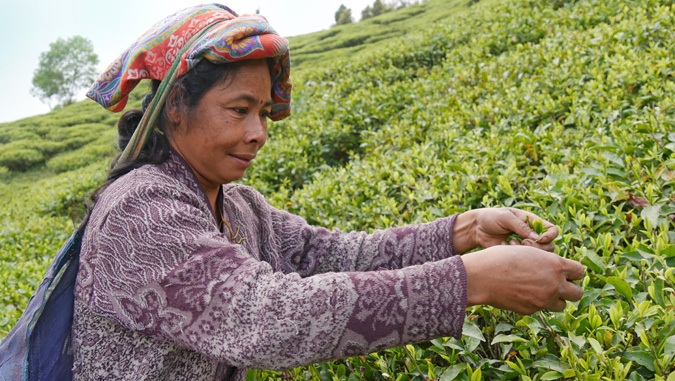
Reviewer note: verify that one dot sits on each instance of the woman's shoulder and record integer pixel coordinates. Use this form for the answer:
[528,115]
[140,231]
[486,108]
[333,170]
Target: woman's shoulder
[148,178]
[149,184]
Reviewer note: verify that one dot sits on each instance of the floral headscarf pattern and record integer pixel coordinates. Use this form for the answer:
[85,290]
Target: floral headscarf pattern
[235,38]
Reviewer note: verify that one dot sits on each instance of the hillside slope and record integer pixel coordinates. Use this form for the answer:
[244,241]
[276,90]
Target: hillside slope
[564,108]
[346,41]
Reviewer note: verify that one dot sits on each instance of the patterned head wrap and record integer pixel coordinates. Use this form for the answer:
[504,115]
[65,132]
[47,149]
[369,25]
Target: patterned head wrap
[176,44]
[230,38]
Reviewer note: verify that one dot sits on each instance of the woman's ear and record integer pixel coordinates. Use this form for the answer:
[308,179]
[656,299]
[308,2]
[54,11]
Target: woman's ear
[174,105]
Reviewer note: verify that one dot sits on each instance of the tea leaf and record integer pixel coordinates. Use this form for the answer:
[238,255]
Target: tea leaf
[507,339]
[471,330]
[552,375]
[651,213]
[641,357]
[621,286]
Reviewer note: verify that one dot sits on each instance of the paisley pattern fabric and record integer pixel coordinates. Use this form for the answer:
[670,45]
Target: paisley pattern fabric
[163,294]
[235,38]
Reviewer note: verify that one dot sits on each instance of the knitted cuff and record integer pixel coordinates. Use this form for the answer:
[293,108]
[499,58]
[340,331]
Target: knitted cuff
[452,234]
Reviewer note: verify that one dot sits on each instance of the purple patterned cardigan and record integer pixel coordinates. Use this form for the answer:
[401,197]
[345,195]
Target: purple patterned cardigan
[162,294]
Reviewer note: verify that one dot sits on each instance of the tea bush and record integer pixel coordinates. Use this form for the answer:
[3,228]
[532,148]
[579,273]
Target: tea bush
[102,147]
[563,108]
[344,41]
[20,159]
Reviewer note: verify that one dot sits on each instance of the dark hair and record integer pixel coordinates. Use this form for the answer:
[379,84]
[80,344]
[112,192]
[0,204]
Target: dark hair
[189,90]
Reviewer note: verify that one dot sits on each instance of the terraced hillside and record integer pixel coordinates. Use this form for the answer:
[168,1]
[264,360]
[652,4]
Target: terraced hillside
[564,108]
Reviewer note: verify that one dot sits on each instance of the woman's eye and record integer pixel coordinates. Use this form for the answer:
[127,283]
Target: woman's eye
[240,110]
[265,114]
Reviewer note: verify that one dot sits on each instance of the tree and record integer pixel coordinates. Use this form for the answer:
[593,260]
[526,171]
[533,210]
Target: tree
[67,67]
[378,8]
[339,12]
[366,13]
[343,15]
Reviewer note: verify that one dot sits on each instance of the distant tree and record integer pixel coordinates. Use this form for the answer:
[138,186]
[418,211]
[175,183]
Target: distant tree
[398,4]
[366,13]
[379,8]
[343,16]
[339,12]
[67,67]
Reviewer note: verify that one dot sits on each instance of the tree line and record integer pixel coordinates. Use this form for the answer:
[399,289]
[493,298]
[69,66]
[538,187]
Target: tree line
[344,15]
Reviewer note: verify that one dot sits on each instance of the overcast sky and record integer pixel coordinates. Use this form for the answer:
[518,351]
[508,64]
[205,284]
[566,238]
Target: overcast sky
[28,27]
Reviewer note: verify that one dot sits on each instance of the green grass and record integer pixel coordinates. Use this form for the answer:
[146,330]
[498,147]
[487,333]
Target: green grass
[564,108]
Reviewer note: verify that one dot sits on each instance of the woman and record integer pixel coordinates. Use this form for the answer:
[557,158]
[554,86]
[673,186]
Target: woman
[184,275]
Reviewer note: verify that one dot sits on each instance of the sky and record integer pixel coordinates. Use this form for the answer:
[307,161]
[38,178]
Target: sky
[28,27]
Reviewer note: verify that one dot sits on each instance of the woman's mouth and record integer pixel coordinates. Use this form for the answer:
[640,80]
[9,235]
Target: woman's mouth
[243,159]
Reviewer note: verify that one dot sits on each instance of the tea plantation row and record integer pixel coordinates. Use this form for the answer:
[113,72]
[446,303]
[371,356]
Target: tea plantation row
[564,108]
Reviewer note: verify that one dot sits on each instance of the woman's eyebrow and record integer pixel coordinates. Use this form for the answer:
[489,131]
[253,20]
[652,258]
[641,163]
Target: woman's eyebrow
[254,100]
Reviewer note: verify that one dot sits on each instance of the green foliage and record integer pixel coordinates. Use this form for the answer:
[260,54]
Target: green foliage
[562,108]
[343,15]
[19,159]
[377,9]
[323,48]
[536,225]
[83,156]
[67,67]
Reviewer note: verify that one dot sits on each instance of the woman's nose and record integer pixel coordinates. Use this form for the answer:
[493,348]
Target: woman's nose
[257,131]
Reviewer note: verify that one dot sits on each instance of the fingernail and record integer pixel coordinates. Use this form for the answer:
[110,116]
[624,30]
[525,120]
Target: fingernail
[534,236]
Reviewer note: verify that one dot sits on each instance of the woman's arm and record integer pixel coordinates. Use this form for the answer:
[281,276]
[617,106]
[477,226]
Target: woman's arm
[160,269]
[310,250]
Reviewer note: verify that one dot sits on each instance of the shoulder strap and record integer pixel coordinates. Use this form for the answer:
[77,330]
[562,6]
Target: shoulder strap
[39,345]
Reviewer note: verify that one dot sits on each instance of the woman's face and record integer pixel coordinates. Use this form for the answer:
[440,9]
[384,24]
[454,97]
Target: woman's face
[221,136]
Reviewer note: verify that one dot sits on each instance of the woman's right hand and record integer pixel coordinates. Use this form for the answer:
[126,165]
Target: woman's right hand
[521,279]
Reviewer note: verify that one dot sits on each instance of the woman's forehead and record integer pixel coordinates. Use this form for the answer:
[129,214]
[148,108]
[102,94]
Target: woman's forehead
[251,83]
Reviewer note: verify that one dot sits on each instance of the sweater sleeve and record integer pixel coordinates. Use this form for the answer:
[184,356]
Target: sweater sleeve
[161,269]
[310,250]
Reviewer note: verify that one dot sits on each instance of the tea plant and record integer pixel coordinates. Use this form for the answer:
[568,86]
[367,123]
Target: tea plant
[563,108]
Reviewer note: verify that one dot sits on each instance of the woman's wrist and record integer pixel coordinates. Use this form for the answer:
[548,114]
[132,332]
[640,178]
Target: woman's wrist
[463,233]
[477,290]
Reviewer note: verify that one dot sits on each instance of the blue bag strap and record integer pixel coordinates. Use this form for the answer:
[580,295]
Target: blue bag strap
[39,345]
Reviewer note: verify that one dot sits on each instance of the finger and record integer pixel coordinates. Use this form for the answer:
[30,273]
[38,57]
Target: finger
[550,234]
[557,305]
[573,270]
[515,222]
[551,230]
[530,242]
[570,291]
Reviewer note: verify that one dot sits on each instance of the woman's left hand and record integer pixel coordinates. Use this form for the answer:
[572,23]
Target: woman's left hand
[492,226]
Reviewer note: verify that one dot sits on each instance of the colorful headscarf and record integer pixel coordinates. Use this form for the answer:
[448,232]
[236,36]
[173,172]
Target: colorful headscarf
[226,37]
